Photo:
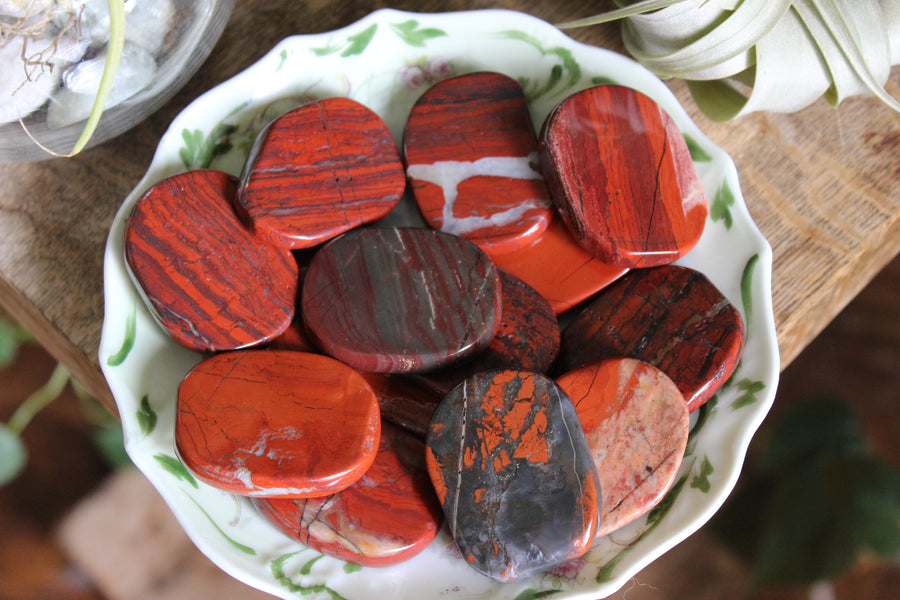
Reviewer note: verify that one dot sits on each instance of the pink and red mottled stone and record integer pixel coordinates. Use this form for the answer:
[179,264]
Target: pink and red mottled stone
[622,177]
[672,317]
[275,423]
[389,515]
[472,162]
[400,300]
[211,283]
[636,423]
[512,469]
[319,170]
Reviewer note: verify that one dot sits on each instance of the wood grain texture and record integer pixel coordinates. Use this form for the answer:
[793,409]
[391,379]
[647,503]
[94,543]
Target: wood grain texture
[821,184]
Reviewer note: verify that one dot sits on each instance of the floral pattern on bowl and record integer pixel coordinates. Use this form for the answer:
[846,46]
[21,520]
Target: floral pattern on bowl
[386,61]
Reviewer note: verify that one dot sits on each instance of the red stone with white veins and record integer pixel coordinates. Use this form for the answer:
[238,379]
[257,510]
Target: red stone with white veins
[319,170]
[276,423]
[621,175]
[389,515]
[636,423]
[472,162]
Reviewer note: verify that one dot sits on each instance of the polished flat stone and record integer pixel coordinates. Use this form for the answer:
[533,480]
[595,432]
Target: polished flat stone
[386,517]
[622,177]
[472,161]
[512,469]
[557,268]
[527,339]
[672,317]
[401,300]
[211,283]
[636,423]
[276,423]
[407,402]
[319,170]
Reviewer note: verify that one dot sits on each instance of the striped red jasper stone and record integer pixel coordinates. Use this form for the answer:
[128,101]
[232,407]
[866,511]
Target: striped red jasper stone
[399,300]
[319,170]
[210,282]
[276,423]
[636,423]
[509,461]
[388,516]
[621,175]
[672,317]
[472,161]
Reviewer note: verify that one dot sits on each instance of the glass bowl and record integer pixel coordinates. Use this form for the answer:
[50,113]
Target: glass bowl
[166,41]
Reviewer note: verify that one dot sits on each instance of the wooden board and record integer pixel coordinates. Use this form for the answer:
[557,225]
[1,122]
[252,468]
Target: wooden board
[822,184]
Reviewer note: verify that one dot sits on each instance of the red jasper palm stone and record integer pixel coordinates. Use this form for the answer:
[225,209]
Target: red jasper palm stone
[472,161]
[671,317]
[276,423]
[622,177]
[399,300]
[319,170]
[388,516]
[636,423]
[211,283]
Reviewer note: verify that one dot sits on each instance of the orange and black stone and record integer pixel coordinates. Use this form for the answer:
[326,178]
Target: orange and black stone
[514,474]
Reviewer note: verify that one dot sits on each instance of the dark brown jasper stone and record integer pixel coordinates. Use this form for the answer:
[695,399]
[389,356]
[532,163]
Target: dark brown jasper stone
[399,300]
[527,339]
[514,474]
[210,282]
[671,317]
[622,177]
[319,170]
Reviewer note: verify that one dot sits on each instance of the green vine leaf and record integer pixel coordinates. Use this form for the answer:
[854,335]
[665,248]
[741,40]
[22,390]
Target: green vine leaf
[747,290]
[409,32]
[352,568]
[567,73]
[239,546]
[199,152]
[127,343]
[176,468]
[700,481]
[355,44]
[533,594]
[750,389]
[720,210]
[12,336]
[146,416]
[698,153]
[277,569]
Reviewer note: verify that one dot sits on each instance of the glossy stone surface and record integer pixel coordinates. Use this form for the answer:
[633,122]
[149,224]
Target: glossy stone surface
[276,423]
[527,339]
[388,516]
[401,300]
[211,283]
[560,270]
[472,161]
[406,402]
[514,474]
[622,177]
[672,317]
[319,170]
[636,423]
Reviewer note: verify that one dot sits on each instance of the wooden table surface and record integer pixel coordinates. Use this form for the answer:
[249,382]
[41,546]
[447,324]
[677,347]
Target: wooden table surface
[822,184]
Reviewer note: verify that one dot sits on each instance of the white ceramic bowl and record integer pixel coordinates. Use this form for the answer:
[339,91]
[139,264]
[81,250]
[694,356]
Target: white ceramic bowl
[178,35]
[386,61]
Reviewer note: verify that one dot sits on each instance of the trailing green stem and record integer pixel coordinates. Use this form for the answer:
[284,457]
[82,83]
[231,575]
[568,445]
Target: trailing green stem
[40,398]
